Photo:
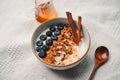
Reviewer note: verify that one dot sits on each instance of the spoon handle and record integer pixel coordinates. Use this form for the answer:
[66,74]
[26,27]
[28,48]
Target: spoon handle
[94,70]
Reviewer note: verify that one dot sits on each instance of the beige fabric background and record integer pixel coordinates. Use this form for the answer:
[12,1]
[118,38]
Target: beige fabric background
[17,23]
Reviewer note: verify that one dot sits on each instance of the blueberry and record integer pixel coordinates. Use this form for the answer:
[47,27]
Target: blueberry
[39,43]
[42,54]
[49,42]
[52,28]
[45,48]
[57,32]
[38,49]
[54,37]
[49,33]
[43,37]
[60,26]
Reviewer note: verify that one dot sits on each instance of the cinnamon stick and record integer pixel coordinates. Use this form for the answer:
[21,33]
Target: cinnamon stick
[72,25]
[79,28]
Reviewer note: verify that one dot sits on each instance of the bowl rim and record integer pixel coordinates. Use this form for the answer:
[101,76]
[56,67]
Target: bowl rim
[53,65]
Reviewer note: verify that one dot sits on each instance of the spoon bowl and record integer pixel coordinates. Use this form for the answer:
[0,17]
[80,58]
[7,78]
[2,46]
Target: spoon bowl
[101,56]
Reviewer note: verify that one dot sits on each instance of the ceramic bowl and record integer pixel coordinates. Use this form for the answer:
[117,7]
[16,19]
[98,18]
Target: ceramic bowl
[83,47]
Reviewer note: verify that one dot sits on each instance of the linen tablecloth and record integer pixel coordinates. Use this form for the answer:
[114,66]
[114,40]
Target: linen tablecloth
[17,23]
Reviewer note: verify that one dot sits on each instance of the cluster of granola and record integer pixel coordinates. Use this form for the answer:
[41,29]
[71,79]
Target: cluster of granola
[63,51]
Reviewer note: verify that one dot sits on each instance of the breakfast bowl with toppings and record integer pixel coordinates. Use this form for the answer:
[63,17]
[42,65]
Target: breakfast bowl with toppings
[61,43]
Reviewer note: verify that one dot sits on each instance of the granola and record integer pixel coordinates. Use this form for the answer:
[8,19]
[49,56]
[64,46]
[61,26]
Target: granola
[64,50]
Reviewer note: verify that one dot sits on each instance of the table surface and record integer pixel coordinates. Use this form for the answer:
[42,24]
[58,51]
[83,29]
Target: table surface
[17,23]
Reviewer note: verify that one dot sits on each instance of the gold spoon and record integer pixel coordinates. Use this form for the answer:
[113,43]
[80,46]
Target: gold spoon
[101,56]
